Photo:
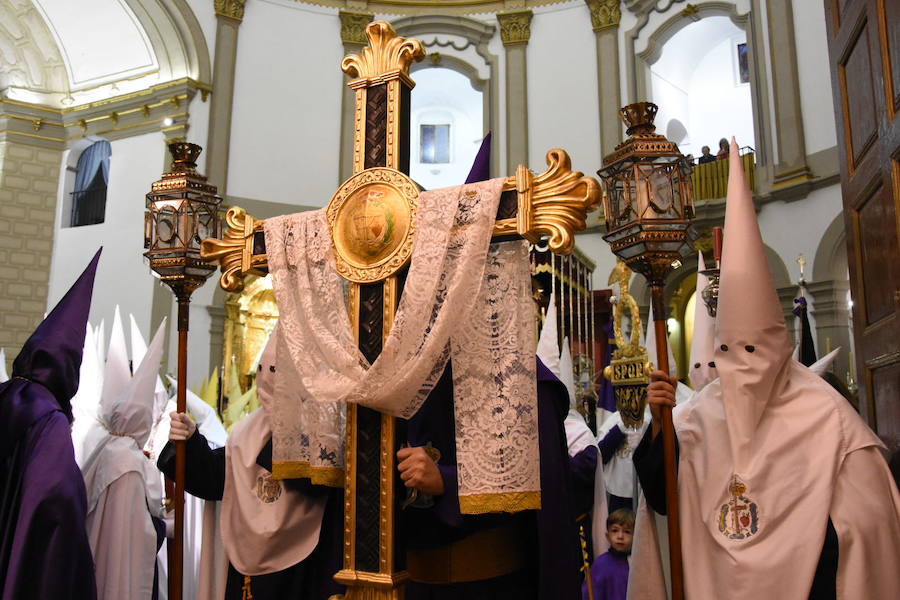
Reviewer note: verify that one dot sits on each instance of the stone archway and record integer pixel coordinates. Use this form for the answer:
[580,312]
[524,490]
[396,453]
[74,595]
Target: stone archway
[638,64]
[829,289]
[436,33]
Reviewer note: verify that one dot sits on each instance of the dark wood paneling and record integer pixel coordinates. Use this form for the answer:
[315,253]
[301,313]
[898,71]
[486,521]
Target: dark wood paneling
[859,97]
[889,23]
[886,383]
[368,437]
[376,126]
[368,489]
[876,227]
[864,55]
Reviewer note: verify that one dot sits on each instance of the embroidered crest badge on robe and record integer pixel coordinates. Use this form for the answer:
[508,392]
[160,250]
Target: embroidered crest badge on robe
[268,490]
[739,516]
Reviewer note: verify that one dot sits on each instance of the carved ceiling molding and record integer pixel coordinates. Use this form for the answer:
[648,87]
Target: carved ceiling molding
[34,69]
[29,56]
[161,108]
[433,7]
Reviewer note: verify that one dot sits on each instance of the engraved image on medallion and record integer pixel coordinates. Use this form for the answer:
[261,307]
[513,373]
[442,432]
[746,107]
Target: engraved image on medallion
[374,222]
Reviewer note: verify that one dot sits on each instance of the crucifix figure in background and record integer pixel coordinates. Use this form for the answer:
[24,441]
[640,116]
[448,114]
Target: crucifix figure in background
[374,217]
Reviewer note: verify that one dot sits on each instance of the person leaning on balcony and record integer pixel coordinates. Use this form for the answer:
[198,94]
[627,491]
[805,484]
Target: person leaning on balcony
[722,154]
[706,156]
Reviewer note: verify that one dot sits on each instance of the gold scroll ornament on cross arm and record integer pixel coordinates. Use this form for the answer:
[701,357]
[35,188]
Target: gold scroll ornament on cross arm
[554,203]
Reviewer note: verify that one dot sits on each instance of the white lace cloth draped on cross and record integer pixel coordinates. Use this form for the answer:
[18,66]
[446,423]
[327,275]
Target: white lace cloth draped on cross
[463,299]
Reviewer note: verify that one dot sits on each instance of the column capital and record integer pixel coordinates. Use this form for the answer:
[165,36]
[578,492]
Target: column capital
[353,26]
[515,27]
[605,14]
[230,9]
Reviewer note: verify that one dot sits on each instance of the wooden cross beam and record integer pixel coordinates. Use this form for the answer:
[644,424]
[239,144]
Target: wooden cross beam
[553,204]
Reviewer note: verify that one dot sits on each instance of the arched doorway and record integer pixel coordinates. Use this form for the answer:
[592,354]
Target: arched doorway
[701,82]
[446,127]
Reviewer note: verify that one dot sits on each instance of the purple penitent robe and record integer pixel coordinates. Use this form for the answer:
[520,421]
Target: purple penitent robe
[609,576]
[44,549]
[551,568]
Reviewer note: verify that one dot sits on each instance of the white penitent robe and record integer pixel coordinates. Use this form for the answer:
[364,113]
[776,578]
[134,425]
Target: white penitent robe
[769,453]
[120,497]
[206,565]
[121,539]
[858,494]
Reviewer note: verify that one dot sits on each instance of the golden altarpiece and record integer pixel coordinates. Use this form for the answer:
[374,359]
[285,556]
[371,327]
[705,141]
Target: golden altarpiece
[250,317]
[552,205]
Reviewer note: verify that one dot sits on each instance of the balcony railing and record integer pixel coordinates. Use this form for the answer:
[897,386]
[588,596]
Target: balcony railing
[88,206]
[711,179]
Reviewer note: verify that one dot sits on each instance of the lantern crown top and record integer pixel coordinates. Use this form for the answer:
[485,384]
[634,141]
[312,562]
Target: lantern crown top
[183,175]
[184,156]
[639,117]
[643,143]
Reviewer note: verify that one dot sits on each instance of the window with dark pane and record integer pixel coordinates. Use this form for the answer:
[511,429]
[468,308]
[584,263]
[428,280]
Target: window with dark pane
[91,178]
[434,144]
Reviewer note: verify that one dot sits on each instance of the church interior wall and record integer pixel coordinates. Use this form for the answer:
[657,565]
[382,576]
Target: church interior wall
[815,77]
[285,143]
[205,16]
[122,276]
[445,97]
[562,87]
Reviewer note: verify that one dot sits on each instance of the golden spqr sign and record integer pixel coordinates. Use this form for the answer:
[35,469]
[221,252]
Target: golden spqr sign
[629,369]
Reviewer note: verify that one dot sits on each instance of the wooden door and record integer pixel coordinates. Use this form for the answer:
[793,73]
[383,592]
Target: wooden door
[864,56]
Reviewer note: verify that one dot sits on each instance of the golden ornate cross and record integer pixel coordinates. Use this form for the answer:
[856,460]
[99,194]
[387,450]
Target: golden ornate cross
[373,222]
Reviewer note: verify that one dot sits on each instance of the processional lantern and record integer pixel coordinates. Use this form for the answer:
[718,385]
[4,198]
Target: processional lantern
[648,196]
[648,209]
[182,211]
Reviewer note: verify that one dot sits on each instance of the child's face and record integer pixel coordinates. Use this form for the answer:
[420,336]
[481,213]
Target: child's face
[619,537]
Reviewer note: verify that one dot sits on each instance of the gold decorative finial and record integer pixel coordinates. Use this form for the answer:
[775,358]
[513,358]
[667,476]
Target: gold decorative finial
[387,54]
[554,203]
[621,275]
[801,260]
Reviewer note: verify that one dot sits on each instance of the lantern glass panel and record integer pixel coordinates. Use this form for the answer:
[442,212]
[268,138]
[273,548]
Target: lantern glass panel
[660,183]
[167,227]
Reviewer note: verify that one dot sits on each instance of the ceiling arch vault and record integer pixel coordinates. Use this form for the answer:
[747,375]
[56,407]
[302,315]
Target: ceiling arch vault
[59,53]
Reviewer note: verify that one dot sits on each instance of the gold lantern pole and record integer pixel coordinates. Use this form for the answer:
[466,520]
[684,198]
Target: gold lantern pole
[648,210]
[182,210]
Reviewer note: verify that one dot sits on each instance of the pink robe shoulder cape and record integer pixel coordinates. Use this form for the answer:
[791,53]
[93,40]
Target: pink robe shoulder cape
[813,457]
[266,527]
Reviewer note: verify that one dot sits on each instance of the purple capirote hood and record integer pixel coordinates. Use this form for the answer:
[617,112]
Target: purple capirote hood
[481,166]
[51,357]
